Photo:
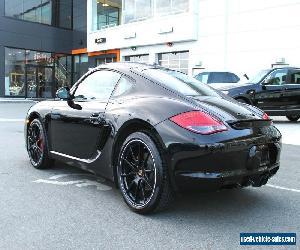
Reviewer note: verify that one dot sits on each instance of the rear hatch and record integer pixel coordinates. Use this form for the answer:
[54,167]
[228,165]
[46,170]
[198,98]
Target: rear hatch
[237,115]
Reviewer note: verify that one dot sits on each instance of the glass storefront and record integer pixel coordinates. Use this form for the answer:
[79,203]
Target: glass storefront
[137,58]
[136,10]
[52,12]
[35,74]
[81,66]
[175,60]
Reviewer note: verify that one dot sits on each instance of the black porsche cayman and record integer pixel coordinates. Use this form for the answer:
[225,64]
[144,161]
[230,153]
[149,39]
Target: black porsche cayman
[153,131]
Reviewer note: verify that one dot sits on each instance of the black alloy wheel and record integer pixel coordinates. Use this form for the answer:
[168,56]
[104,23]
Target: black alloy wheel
[142,175]
[37,145]
[293,118]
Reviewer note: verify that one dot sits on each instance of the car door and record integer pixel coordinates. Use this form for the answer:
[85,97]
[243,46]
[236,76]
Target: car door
[270,97]
[292,91]
[77,126]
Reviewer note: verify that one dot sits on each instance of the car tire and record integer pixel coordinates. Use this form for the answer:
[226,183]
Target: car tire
[143,174]
[293,118]
[37,146]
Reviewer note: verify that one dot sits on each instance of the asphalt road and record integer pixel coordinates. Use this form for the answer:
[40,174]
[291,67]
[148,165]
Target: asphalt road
[65,208]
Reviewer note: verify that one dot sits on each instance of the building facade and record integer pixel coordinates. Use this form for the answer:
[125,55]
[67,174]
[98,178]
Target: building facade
[196,35]
[37,38]
[45,44]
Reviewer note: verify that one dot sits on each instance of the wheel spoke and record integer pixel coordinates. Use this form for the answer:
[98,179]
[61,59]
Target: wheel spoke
[39,150]
[130,164]
[146,160]
[132,154]
[137,191]
[130,186]
[143,192]
[139,156]
[128,174]
[147,183]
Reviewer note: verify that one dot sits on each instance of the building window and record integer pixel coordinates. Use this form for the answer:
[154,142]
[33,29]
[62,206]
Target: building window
[103,59]
[136,10]
[167,7]
[106,13]
[14,72]
[107,16]
[137,58]
[175,60]
[81,66]
[52,12]
[35,74]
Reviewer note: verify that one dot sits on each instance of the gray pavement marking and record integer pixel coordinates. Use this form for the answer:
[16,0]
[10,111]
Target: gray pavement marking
[283,188]
[98,182]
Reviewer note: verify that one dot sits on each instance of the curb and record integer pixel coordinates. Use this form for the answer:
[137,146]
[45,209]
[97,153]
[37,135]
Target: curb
[13,100]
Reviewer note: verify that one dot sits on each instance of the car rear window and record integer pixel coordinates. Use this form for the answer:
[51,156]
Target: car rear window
[180,82]
[223,77]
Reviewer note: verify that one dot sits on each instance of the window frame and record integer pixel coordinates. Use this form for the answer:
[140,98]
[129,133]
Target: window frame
[267,78]
[76,85]
[130,80]
[291,72]
[54,24]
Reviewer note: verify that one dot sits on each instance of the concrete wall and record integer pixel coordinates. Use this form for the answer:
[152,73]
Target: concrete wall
[241,36]
[157,30]
[246,36]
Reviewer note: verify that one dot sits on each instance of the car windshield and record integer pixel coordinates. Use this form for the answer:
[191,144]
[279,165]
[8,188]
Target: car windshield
[181,82]
[259,76]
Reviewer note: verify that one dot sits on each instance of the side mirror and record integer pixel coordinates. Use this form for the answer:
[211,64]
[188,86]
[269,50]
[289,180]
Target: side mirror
[64,93]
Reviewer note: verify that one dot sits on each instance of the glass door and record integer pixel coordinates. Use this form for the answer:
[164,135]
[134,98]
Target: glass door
[39,81]
[45,82]
[30,81]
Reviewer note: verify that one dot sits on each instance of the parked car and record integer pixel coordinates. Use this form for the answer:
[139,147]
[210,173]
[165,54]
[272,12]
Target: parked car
[276,91]
[217,77]
[153,131]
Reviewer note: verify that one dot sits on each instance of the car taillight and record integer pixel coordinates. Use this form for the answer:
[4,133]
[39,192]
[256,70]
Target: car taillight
[199,122]
[265,116]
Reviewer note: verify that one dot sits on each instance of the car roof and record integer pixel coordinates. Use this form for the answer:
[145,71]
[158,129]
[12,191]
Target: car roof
[283,68]
[128,66]
[132,66]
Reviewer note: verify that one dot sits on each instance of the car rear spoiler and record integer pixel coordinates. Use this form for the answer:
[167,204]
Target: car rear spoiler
[249,123]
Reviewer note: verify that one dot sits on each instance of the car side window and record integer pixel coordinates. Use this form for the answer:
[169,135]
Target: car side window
[277,77]
[202,77]
[233,78]
[97,86]
[123,86]
[295,77]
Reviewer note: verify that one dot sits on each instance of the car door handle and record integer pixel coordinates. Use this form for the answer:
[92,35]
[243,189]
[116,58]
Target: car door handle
[94,116]
[97,118]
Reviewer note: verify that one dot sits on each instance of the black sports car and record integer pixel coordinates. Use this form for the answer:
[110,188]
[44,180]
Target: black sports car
[153,131]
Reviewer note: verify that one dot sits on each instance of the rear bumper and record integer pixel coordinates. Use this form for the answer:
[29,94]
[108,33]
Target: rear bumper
[252,163]
[228,159]
[230,179]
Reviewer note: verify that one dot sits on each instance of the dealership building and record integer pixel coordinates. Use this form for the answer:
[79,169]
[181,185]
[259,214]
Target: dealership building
[45,44]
